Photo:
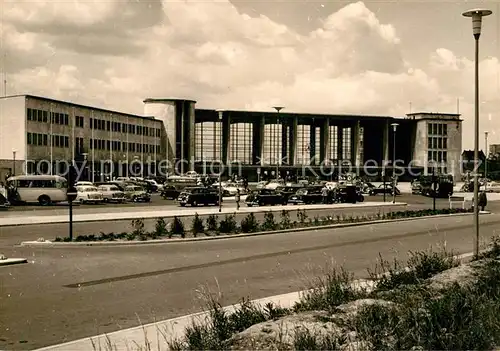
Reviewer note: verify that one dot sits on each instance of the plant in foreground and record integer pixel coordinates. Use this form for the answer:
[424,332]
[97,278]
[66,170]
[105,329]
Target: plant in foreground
[228,225]
[249,224]
[160,227]
[178,227]
[212,224]
[197,225]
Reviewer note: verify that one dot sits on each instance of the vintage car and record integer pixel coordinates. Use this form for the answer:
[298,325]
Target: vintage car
[384,188]
[265,197]
[4,203]
[199,196]
[288,190]
[111,193]
[170,192]
[88,194]
[307,195]
[136,193]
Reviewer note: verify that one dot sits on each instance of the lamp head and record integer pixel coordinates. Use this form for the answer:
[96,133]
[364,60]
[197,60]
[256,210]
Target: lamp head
[278,108]
[220,112]
[394,126]
[477,16]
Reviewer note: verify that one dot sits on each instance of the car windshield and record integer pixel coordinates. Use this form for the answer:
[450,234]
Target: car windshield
[114,188]
[302,192]
[89,189]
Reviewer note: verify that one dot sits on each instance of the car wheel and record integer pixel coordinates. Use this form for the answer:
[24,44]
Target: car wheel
[182,205]
[44,200]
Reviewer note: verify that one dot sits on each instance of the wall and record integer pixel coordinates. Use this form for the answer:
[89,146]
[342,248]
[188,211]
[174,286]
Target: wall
[454,148]
[420,148]
[12,128]
[165,111]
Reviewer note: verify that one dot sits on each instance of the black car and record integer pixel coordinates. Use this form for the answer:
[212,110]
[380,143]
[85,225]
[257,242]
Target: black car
[170,192]
[264,197]
[198,196]
[288,190]
[308,195]
[348,194]
[384,188]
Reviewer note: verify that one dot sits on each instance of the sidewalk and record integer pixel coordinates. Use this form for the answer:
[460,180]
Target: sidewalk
[181,212]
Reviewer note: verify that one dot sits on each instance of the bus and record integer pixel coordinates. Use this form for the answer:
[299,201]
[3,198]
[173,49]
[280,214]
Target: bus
[42,189]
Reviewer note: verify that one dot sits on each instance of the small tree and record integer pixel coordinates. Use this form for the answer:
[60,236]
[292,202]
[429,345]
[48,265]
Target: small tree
[285,222]
[160,227]
[228,224]
[249,224]
[178,227]
[302,216]
[197,226]
[212,223]
[269,222]
[138,229]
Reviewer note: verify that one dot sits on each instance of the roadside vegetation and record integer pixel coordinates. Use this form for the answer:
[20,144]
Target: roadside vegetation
[430,301]
[215,225]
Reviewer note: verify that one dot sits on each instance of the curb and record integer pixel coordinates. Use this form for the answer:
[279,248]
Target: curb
[175,327]
[13,261]
[51,244]
[64,219]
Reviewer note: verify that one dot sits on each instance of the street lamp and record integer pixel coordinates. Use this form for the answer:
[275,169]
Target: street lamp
[278,109]
[394,128]
[14,162]
[476,15]
[221,113]
[486,160]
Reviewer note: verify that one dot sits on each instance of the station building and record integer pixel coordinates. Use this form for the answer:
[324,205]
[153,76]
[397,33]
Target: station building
[37,132]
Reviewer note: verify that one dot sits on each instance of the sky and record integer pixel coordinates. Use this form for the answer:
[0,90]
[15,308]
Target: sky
[372,57]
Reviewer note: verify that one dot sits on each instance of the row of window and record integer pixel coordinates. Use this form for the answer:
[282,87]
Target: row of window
[116,145]
[98,124]
[437,156]
[46,116]
[439,129]
[437,143]
[43,140]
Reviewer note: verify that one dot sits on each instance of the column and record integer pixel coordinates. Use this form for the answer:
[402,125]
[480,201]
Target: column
[385,142]
[355,144]
[226,138]
[325,142]
[340,143]
[312,144]
[293,141]
[285,151]
[191,142]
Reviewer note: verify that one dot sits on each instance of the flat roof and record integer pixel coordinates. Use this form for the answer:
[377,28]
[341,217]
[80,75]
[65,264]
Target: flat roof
[433,114]
[148,100]
[76,105]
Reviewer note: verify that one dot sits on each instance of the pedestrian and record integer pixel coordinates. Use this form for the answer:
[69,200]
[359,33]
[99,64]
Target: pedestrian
[237,198]
[324,194]
[482,200]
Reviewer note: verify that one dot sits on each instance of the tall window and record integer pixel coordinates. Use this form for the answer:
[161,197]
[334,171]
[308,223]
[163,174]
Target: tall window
[272,144]
[303,144]
[346,143]
[437,144]
[241,142]
[334,147]
[208,141]
[317,146]
[361,145]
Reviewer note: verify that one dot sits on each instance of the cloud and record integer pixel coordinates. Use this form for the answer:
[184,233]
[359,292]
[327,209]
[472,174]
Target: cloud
[116,53]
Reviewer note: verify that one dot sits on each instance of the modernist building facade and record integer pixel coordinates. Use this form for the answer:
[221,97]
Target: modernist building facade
[174,135]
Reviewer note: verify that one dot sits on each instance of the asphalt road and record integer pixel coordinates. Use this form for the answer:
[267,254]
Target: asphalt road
[69,293]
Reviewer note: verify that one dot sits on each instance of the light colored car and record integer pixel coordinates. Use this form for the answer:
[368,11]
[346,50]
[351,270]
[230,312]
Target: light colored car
[231,189]
[273,184]
[493,187]
[261,185]
[84,184]
[111,193]
[88,194]
[192,174]
[159,187]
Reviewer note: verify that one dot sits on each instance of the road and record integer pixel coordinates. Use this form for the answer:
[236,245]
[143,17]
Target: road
[70,293]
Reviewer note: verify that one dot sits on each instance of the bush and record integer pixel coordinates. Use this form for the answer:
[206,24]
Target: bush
[197,225]
[269,223]
[228,225]
[138,229]
[249,224]
[178,227]
[160,227]
[285,222]
[212,224]
[302,216]
[304,339]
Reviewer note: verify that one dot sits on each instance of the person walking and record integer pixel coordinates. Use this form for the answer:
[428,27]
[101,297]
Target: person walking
[324,194]
[237,198]
[482,200]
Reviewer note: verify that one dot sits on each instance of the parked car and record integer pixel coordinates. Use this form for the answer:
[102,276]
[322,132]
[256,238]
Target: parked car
[493,187]
[192,174]
[288,190]
[136,193]
[308,195]
[348,194]
[274,183]
[111,193]
[88,194]
[84,183]
[170,192]
[264,197]
[4,203]
[155,185]
[416,187]
[384,188]
[366,187]
[199,196]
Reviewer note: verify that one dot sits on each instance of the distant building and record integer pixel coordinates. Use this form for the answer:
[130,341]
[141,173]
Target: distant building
[495,151]
[40,129]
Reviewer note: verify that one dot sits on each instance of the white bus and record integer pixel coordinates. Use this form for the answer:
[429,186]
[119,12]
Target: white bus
[44,189]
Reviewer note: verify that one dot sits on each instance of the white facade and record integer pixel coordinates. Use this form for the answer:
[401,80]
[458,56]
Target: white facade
[12,127]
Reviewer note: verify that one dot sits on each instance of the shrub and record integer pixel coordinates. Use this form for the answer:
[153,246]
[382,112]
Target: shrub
[228,225]
[138,229]
[305,339]
[160,227]
[58,239]
[317,220]
[302,216]
[178,227]
[130,236]
[269,222]
[285,222]
[197,226]
[249,224]
[212,224]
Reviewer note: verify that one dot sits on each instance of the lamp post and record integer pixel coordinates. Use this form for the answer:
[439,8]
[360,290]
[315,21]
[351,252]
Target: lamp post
[278,109]
[485,161]
[394,128]
[14,162]
[221,113]
[476,15]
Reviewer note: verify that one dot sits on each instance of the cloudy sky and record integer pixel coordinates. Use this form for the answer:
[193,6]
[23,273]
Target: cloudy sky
[372,57]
